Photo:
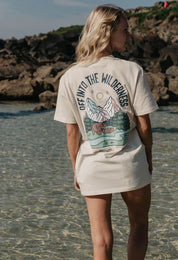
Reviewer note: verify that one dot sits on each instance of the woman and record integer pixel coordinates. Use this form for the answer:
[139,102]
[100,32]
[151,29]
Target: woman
[108,100]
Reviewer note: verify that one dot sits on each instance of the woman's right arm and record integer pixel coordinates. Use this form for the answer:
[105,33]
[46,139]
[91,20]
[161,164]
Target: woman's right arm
[73,146]
[145,132]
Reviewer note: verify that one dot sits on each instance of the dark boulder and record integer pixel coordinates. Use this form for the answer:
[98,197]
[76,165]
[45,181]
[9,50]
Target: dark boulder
[172,71]
[157,83]
[48,96]
[46,106]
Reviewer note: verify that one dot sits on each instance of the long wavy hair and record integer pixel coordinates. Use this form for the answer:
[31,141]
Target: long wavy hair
[96,34]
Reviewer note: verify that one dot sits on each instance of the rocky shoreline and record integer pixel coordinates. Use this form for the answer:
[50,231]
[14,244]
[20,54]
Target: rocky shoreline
[30,68]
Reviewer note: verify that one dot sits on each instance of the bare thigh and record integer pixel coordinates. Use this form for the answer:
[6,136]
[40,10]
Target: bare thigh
[138,204]
[99,210]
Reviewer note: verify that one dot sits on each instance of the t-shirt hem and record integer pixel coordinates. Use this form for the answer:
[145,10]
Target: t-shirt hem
[118,190]
[147,111]
[64,121]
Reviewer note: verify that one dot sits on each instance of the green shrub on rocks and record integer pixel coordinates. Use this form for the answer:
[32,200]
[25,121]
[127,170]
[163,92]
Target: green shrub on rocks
[67,29]
[155,12]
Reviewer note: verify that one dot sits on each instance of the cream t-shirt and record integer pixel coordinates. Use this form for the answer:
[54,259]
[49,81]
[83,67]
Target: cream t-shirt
[103,98]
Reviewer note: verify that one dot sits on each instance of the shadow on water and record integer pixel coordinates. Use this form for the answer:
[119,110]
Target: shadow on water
[164,130]
[174,113]
[7,115]
[167,109]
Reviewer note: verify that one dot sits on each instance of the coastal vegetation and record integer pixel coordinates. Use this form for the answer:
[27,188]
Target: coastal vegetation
[157,13]
[62,30]
[30,68]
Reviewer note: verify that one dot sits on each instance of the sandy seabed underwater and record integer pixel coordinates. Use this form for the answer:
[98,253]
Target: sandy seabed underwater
[41,214]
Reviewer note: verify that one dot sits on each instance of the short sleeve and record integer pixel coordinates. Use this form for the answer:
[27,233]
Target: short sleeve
[144,102]
[64,112]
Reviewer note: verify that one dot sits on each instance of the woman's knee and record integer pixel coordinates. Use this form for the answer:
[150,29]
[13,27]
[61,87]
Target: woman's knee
[103,241]
[139,226]
[138,221]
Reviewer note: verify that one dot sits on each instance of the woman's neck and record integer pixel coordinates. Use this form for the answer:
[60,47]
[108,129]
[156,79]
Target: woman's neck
[106,52]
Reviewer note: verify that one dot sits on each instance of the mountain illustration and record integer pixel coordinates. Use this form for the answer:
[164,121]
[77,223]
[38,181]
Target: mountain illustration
[101,114]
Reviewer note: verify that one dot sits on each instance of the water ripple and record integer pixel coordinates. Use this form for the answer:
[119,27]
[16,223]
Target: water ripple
[41,214]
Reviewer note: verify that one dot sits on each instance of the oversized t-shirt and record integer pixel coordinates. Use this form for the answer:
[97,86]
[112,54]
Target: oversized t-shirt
[103,98]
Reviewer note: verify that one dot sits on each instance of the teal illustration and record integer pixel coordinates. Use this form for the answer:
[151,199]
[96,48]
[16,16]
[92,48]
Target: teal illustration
[106,126]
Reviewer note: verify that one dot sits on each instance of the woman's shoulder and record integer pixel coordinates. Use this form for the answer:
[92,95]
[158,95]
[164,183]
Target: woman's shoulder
[70,69]
[122,64]
[126,64]
[68,74]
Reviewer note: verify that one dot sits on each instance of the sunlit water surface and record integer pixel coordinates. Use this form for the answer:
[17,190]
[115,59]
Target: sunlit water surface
[41,214]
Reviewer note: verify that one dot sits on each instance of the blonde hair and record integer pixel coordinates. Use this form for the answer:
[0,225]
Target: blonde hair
[96,34]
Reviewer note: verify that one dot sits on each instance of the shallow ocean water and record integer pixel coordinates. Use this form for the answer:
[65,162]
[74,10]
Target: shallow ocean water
[41,214]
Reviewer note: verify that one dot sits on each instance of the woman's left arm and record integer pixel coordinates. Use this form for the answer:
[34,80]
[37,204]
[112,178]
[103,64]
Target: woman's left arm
[145,132]
[73,146]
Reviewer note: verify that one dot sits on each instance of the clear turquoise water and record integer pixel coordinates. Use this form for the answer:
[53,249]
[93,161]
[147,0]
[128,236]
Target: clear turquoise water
[41,214]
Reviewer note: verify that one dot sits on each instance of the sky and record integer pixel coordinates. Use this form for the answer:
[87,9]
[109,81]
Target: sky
[20,18]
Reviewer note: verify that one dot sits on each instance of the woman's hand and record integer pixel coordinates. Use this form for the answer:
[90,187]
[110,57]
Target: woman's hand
[76,183]
[149,160]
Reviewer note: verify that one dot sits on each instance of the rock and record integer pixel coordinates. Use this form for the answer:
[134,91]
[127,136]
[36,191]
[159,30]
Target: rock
[57,78]
[25,75]
[172,71]
[9,72]
[144,50]
[130,11]
[47,76]
[49,105]
[46,47]
[141,9]
[158,86]
[163,87]
[43,71]
[2,43]
[39,85]
[167,29]
[160,4]
[12,71]
[16,90]
[172,96]
[50,71]
[156,97]
[172,51]
[133,22]
[173,85]
[155,19]
[168,58]
[153,44]
[31,66]
[5,53]
[39,108]
[165,63]
[48,96]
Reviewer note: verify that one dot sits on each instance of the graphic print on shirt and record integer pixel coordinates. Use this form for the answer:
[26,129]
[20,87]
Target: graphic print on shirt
[106,126]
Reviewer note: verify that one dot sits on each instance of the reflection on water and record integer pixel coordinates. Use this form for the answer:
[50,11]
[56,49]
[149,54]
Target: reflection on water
[43,217]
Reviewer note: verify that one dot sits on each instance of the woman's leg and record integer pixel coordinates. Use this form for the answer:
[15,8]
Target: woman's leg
[138,203]
[99,210]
